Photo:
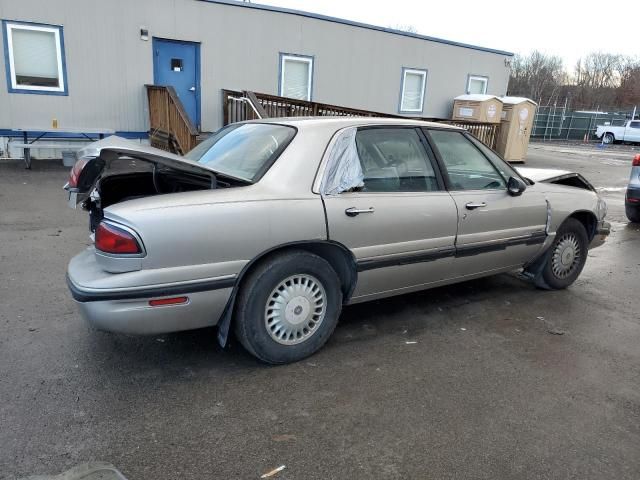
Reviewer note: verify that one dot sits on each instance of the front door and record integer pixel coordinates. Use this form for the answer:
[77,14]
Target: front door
[177,64]
[496,230]
[401,223]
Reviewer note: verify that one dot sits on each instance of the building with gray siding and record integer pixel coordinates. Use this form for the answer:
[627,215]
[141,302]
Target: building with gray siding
[85,63]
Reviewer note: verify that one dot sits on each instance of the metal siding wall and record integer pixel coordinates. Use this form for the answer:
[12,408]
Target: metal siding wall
[108,64]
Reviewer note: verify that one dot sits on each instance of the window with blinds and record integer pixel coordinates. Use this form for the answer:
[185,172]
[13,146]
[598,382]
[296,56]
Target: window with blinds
[296,73]
[412,95]
[35,58]
[477,84]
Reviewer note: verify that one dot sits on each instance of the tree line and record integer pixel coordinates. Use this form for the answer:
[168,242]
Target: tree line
[598,80]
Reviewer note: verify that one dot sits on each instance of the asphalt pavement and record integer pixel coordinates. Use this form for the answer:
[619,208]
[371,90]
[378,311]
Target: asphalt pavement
[489,379]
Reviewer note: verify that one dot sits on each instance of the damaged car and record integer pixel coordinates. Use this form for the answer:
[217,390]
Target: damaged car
[267,228]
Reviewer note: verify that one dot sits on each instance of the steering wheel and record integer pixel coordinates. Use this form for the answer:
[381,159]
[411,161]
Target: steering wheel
[494,184]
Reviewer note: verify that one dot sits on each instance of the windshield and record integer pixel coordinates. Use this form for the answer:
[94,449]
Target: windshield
[244,151]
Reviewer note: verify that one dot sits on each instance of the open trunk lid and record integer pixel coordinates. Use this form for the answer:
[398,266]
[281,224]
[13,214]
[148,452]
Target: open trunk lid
[95,158]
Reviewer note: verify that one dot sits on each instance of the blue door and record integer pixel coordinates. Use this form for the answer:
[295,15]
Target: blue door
[177,64]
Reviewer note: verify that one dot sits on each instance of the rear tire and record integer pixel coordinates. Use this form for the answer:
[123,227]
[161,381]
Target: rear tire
[288,307]
[633,213]
[566,257]
[608,138]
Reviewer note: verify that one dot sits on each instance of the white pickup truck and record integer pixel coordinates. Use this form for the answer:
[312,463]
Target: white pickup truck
[629,132]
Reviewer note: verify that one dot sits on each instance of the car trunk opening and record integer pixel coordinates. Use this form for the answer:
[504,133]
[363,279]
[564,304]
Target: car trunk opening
[115,170]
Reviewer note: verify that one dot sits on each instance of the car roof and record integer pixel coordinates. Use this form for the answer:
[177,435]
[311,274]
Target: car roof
[343,121]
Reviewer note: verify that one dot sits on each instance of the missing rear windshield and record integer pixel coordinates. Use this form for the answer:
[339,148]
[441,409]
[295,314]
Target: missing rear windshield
[244,151]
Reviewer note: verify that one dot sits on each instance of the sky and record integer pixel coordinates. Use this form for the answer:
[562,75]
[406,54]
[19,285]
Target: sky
[569,29]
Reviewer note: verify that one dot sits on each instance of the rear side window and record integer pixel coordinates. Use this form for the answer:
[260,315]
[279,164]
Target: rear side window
[634,124]
[467,167]
[394,160]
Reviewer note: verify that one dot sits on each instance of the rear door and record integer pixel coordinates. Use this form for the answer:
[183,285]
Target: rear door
[495,230]
[401,224]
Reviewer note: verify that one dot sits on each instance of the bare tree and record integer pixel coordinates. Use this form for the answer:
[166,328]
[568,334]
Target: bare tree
[537,76]
[598,70]
[629,91]
[599,80]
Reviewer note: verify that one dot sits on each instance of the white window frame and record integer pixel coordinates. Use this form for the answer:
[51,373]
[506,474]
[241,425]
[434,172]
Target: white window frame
[14,86]
[296,58]
[480,78]
[413,71]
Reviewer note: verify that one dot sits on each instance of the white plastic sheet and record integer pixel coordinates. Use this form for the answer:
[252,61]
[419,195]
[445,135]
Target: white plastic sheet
[343,171]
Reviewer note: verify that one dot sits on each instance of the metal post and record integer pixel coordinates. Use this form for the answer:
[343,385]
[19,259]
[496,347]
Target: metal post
[544,137]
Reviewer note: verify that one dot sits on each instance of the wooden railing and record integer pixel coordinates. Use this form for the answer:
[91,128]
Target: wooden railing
[170,128]
[487,133]
[240,106]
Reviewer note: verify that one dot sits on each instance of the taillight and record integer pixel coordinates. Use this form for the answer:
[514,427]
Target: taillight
[636,161]
[76,170]
[111,239]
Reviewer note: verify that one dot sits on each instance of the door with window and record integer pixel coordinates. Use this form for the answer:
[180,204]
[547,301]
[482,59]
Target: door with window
[396,218]
[177,64]
[495,229]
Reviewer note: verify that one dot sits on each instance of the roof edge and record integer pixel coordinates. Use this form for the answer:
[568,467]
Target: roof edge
[353,23]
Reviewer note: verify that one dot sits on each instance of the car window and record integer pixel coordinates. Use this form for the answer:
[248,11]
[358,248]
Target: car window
[243,151]
[467,167]
[634,124]
[503,167]
[394,160]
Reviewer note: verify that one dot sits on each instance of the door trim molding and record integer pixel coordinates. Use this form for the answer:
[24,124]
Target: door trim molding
[536,238]
[406,259]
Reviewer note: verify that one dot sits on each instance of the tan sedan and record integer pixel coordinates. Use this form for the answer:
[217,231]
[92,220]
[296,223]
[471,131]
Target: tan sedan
[269,227]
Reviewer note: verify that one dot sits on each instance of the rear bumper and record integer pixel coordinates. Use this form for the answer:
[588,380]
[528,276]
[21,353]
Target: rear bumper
[603,230]
[127,310]
[632,197]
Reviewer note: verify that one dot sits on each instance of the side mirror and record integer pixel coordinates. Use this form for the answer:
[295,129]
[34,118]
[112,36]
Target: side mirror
[515,186]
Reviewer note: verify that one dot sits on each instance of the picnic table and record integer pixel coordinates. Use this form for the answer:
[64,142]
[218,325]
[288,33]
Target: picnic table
[37,134]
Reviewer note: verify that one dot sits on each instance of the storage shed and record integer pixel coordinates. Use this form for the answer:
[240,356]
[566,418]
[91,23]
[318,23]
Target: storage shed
[477,107]
[515,130]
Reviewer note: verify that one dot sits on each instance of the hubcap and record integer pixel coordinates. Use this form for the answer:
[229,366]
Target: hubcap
[295,309]
[566,256]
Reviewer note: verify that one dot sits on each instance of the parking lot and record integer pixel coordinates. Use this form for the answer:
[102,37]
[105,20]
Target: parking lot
[486,379]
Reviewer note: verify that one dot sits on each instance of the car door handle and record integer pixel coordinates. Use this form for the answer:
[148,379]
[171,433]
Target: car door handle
[353,211]
[474,205]
[192,89]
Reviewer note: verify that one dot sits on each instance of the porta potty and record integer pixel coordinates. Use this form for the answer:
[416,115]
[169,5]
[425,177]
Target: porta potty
[515,128]
[477,108]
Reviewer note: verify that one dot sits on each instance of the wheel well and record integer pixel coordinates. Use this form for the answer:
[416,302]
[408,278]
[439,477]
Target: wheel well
[589,220]
[610,133]
[338,256]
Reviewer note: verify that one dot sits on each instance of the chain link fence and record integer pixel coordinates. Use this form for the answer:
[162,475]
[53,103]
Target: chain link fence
[559,123]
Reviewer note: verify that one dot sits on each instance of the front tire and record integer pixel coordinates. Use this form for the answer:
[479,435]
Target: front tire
[608,138]
[566,257]
[288,307]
